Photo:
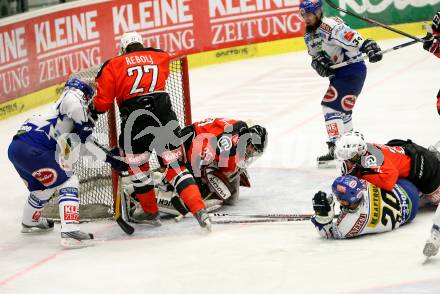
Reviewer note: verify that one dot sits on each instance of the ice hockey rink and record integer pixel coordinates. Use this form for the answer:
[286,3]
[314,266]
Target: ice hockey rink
[282,93]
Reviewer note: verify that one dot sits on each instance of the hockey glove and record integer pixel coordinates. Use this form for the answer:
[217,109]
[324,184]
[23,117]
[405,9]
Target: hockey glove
[117,162]
[324,207]
[322,66]
[371,48]
[84,130]
[431,43]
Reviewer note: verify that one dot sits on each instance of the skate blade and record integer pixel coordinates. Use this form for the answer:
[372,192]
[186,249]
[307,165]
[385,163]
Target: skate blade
[327,164]
[70,243]
[34,230]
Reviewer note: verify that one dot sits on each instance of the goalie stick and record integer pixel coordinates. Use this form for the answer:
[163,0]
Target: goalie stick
[354,60]
[335,6]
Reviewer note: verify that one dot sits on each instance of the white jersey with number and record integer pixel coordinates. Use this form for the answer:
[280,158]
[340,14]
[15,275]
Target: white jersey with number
[335,40]
[380,211]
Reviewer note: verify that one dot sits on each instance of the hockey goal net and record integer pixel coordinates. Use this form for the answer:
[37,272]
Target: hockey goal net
[96,196]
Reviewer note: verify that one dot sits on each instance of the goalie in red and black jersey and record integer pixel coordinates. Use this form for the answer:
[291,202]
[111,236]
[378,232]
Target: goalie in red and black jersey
[218,152]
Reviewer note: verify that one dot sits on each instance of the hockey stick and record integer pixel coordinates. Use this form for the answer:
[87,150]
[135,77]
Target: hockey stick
[255,220]
[265,215]
[354,60]
[330,3]
[117,215]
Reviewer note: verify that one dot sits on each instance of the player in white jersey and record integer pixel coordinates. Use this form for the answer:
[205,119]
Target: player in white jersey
[330,41]
[365,208]
[43,151]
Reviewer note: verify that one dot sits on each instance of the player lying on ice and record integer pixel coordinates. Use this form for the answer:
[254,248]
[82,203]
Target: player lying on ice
[43,151]
[218,151]
[365,208]
[383,165]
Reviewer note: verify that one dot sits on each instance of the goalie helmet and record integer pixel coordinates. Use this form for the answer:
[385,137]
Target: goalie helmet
[350,146]
[81,85]
[128,39]
[348,188]
[258,138]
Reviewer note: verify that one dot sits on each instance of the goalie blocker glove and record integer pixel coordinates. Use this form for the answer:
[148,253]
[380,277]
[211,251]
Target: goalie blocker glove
[372,50]
[322,65]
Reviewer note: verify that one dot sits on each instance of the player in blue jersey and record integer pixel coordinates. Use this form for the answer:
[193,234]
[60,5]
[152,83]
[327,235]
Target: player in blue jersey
[330,41]
[43,151]
[365,208]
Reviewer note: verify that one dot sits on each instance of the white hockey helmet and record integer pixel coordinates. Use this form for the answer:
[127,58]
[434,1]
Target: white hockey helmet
[350,145]
[129,38]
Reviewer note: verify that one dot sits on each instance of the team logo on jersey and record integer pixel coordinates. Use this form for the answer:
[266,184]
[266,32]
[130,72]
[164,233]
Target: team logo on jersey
[46,176]
[358,226]
[36,216]
[330,95]
[332,130]
[71,213]
[170,156]
[224,143]
[348,36]
[348,102]
[325,27]
[375,206]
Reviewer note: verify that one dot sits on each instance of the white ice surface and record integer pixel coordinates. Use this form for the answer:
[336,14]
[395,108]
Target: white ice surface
[282,93]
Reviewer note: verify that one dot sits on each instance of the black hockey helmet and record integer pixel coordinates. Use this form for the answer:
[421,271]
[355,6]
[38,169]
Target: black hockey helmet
[258,138]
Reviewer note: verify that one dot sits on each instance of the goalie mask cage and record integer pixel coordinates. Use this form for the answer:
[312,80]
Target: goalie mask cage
[97,183]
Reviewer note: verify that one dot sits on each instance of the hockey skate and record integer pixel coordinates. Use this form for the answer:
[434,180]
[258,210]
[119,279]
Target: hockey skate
[138,215]
[433,243]
[76,239]
[203,218]
[327,160]
[44,225]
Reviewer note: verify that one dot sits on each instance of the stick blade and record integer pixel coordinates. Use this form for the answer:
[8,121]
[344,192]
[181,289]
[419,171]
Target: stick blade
[129,230]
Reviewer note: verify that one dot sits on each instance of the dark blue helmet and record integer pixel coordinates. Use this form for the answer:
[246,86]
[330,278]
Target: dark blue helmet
[310,6]
[80,85]
[348,188]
